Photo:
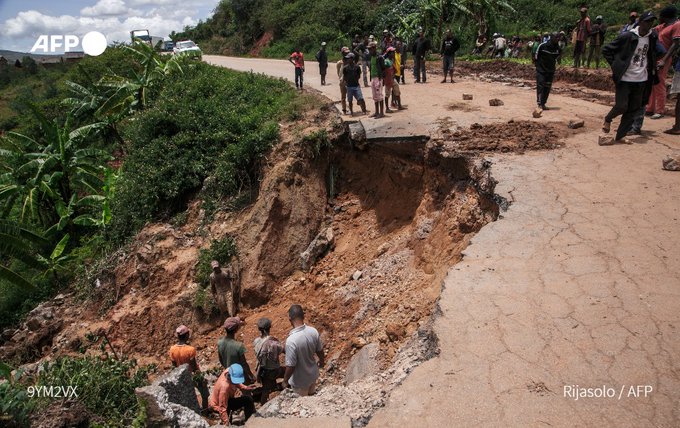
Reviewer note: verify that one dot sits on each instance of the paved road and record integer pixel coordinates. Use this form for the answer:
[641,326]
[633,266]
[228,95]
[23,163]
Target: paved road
[578,284]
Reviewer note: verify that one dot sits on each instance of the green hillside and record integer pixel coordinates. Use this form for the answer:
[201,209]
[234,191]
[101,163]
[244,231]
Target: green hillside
[274,27]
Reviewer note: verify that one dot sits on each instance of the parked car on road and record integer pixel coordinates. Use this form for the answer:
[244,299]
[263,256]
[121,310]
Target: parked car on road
[189,48]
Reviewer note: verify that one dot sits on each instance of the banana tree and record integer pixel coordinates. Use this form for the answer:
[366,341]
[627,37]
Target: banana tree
[19,243]
[41,176]
[57,260]
[86,102]
[130,93]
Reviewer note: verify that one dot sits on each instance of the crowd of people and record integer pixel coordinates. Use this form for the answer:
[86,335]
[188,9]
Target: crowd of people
[640,58]
[235,389]
[380,65]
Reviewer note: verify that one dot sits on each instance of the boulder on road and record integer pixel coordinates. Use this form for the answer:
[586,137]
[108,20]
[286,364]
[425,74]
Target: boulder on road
[467,97]
[495,102]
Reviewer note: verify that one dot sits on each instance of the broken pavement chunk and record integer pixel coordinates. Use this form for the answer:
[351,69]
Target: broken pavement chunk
[575,124]
[672,162]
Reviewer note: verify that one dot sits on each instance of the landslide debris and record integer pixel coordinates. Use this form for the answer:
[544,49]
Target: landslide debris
[382,226]
[513,136]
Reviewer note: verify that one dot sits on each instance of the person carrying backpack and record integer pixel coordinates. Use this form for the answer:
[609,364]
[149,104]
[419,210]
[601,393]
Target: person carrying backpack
[267,351]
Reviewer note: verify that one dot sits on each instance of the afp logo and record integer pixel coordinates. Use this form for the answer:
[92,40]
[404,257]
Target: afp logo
[93,43]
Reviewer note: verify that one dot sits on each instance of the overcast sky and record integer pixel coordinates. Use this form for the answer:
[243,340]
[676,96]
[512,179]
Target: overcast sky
[22,21]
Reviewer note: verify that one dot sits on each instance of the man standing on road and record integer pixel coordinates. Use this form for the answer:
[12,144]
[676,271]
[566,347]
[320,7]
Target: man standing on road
[377,76]
[668,30]
[583,30]
[547,55]
[343,85]
[420,48]
[450,46]
[403,57]
[632,22]
[298,60]
[597,34]
[351,73]
[322,59]
[303,342]
[361,54]
[225,289]
[632,58]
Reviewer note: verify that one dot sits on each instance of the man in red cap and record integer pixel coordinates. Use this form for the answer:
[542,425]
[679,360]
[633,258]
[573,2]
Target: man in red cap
[230,350]
[183,353]
[225,290]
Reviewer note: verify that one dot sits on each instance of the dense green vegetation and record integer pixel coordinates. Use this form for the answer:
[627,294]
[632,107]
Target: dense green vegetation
[275,27]
[91,152]
[103,384]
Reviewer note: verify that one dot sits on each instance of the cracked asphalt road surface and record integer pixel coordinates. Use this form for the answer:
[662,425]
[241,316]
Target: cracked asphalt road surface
[577,284]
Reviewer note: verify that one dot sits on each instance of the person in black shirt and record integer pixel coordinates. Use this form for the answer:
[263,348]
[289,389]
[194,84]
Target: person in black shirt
[420,48]
[547,55]
[351,73]
[450,45]
[322,59]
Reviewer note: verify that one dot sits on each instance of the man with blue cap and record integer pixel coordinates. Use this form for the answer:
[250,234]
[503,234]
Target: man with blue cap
[227,395]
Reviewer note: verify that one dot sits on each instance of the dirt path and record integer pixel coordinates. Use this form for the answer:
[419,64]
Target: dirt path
[578,284]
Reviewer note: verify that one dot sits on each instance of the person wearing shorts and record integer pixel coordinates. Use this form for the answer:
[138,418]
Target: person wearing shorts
[351,73]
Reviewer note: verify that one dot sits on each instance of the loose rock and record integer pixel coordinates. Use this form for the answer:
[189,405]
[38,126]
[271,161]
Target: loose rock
[495,102]
[575,124]
[317,248]
[672,162]
[537,113]
[467,97]
[605,141]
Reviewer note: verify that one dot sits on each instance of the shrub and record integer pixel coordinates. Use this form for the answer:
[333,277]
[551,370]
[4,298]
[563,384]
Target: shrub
[221,250]
[210,121]
[105,386]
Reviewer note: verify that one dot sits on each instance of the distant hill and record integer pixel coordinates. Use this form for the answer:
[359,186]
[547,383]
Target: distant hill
[41,59]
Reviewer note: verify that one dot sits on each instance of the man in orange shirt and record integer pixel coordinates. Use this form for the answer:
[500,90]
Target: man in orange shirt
[227,394]
[182,353]
[298,60]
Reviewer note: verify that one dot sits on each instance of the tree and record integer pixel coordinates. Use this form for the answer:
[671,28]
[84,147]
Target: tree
[18,243]
[482,10]
[129,94]
[51,180]
[87,103]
